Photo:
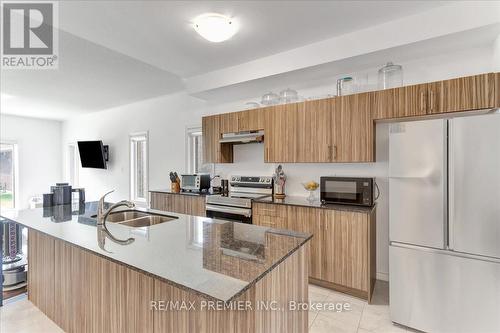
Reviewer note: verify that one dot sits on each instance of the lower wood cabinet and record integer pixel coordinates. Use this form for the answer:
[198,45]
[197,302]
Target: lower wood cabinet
[342,251]
[178,203]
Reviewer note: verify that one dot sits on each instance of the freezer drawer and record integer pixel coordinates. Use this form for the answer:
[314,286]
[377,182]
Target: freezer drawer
[475,185]
[435,291]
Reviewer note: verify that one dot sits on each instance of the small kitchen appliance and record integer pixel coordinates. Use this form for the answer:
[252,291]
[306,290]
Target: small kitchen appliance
[14,264]
[347,190]
[195,182]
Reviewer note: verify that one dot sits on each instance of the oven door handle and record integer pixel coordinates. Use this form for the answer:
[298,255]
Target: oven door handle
[229,210]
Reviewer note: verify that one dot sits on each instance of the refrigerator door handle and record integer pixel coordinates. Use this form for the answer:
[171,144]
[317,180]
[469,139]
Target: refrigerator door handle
[451,189]
[445,252]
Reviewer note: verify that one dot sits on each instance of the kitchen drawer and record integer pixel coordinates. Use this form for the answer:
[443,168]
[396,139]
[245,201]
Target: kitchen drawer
[270,210]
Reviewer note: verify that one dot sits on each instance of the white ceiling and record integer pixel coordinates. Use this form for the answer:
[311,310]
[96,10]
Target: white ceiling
[119,52]
[159,32]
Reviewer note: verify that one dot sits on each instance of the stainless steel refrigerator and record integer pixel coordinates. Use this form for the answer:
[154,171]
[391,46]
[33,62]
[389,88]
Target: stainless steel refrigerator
[444,224]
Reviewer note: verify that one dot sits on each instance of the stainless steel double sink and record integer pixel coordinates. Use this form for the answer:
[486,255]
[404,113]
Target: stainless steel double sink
[136,219]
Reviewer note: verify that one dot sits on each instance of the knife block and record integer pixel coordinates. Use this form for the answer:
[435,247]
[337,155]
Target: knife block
[175,187]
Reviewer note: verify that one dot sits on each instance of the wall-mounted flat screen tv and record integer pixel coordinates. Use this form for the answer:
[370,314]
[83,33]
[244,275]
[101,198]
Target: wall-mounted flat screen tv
[92,154]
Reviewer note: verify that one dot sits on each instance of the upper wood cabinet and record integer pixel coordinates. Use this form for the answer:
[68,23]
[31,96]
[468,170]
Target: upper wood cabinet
[213,151]
[462,94]
[411,101]
[497,90]
[250,120]
[382,104]
[229,122]
[353,129]
[341,129]
[455,95]
[280,133]
[315,130]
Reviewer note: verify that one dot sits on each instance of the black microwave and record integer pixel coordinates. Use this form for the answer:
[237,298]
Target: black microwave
[347,191]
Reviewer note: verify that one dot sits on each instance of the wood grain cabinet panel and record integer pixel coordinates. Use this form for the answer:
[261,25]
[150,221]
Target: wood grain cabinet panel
[178,203]
[349,264]
[354,138]
[410,101]
[41,284]
[308,220]
[497,90]
[85,292]
[462,94]
[280,133]
[315,131]
[229,122]
[213,150]
[251,120]
[342,250]
[382,104]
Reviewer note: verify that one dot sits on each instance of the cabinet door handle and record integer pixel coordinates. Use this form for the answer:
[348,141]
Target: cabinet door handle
[431,100]
[422,101]
[330,151]
[267,153]
[334,152]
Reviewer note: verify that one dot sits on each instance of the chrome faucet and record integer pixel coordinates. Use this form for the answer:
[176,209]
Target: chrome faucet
[102,214]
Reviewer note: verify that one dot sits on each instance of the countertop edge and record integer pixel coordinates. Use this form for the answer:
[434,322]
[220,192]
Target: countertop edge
[350,208]
[192,194]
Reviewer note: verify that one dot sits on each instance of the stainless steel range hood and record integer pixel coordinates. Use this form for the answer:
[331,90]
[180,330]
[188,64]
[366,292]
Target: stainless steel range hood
[242,137]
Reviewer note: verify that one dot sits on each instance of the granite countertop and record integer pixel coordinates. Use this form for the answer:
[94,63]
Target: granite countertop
[191,252]
[196,194]
[303,202]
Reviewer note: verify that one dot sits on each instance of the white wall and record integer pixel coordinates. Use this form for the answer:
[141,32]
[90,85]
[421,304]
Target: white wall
[167,117]
[39,153]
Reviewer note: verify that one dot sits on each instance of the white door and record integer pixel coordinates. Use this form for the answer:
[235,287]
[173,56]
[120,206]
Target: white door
[417,183]
[475,185]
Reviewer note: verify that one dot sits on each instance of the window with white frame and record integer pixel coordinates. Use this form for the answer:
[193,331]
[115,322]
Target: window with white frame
[194,149]
[72,164]
[139,177]
[9,196]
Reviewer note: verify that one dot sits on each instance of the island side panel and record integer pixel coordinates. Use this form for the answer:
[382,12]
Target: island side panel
[83,292]
[286,282]
[41,272]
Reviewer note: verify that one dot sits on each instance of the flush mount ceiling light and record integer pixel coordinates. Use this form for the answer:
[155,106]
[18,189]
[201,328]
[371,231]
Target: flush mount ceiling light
[215,27]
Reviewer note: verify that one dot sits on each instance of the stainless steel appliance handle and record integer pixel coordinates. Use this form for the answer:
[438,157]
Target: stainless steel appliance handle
[451,190]
[229,210]
[445,252]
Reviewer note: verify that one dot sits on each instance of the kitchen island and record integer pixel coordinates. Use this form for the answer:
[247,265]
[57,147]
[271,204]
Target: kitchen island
[189,274]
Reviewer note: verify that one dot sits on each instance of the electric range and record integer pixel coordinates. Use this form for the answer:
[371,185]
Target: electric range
[237,205]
